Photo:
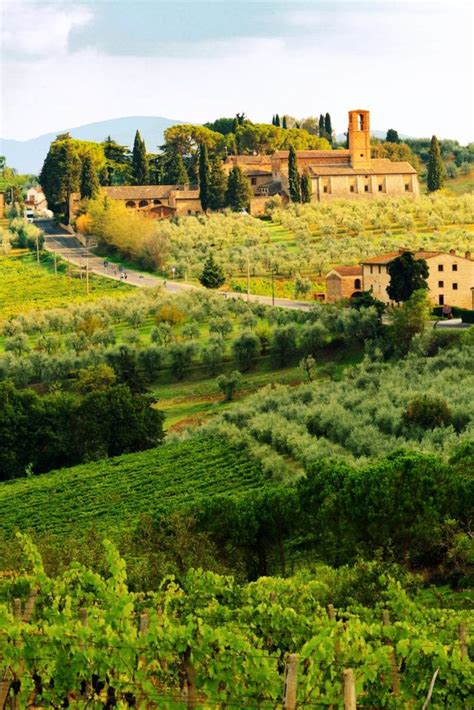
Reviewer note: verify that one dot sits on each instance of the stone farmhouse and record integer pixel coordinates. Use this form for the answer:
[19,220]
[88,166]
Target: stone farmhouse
[450,279]
[154,201]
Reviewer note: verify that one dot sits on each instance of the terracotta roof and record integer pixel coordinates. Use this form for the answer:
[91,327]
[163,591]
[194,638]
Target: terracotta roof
[248,159]
[378,166]
[137,192]
[347,270]
[258,173]
[391,255]
[314,153]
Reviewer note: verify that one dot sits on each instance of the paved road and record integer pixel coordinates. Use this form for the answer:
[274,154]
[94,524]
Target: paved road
[69,248]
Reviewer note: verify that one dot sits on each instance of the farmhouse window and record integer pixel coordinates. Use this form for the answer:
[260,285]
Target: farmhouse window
[440,267]
[366,188]
[455,287]
[455,267]
[441,299]
[440,284]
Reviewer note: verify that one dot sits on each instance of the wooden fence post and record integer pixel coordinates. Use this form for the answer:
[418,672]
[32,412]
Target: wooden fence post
[349,689]
[190,676]
[463,641]
[393,658]
[291,679]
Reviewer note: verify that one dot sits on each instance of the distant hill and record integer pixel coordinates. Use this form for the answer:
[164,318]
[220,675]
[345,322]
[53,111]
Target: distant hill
[375,134]
[28,156]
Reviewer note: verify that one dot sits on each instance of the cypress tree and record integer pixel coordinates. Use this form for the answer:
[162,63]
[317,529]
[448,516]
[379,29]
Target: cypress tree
[176,173]
[306,188]
[212,275]
[89,179]
[139,161]
[273,120]
[238,190]
[277,120]
[436,170]
[217,185]
[235,124]
[283,125]
[293,176]
[328,127]
[204,175]
[61,175]
[322,126]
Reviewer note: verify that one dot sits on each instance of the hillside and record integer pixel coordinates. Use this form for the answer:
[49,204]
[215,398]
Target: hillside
[28,156]
[109,494]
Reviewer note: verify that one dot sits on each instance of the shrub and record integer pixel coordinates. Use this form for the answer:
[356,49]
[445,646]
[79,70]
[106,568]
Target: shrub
[427,412]
[246,349]
[228,384]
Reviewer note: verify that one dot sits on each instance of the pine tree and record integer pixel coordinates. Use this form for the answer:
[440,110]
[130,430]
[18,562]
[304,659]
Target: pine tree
[277,120]
[392,136]
[328,127]
[204,175]
[212,275]
[217,185]
[284,125]
[89,179]
[139,161]
[176,173]
[118,165]
[306,188]
[436,170]
[322,127]
[293,176]
[238,190]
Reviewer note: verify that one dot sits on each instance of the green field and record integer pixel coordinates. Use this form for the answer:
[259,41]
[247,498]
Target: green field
[25,286]
[108,495]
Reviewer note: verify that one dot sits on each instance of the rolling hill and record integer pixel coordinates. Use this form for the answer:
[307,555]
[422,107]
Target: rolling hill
[28,156]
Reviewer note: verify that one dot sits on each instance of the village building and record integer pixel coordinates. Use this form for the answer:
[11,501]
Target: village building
[343,282]
[153,201]
[450,280]
[36,200]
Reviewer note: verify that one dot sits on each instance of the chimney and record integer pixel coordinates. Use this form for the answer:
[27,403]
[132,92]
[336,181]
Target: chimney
[468,255]
[452,251]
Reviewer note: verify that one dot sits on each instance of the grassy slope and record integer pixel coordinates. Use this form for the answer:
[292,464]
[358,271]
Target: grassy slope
[106,495]
[25,287]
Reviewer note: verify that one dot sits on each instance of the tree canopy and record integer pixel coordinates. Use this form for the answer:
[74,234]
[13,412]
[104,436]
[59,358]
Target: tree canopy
[407,275]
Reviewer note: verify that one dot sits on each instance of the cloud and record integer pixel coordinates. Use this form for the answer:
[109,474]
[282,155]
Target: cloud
[32,30]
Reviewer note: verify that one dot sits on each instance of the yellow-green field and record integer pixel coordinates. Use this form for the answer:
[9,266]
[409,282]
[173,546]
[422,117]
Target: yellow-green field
[27,286]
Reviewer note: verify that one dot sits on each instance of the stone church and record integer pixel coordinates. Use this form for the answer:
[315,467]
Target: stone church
[335,174]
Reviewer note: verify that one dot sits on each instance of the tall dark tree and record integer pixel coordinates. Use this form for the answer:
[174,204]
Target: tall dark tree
[392,136]
[117,163]
[277,120]
[306,188]
[204,177]
[176,173]
[328,127]
[322,126]
[89,179]
[139,161]
[284,123]
[238,190]
[217,185]
[436,170]
[293,176]
[212,275]
[60,175]
[407,275]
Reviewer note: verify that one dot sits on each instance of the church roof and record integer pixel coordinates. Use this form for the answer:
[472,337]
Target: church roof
[378,166]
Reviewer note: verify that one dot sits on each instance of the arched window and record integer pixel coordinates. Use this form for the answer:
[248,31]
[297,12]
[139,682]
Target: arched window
[357,284]
[157,202]
[143,203]
[130,203]
[360,122]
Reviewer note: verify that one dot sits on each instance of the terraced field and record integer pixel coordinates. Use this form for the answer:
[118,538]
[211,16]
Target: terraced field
[106,495]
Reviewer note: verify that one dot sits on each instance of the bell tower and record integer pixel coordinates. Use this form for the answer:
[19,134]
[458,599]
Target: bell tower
[359,138]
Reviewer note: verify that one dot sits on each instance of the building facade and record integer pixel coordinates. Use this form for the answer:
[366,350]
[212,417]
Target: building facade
[153,201]
[450,280]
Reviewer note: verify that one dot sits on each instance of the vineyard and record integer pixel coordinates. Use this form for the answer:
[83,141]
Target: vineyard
[107,494]
[26,287]
[204,641]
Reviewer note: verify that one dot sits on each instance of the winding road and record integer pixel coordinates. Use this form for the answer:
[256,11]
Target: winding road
[69,248]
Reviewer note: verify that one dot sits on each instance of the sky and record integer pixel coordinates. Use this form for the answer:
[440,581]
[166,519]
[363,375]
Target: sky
[69,62]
